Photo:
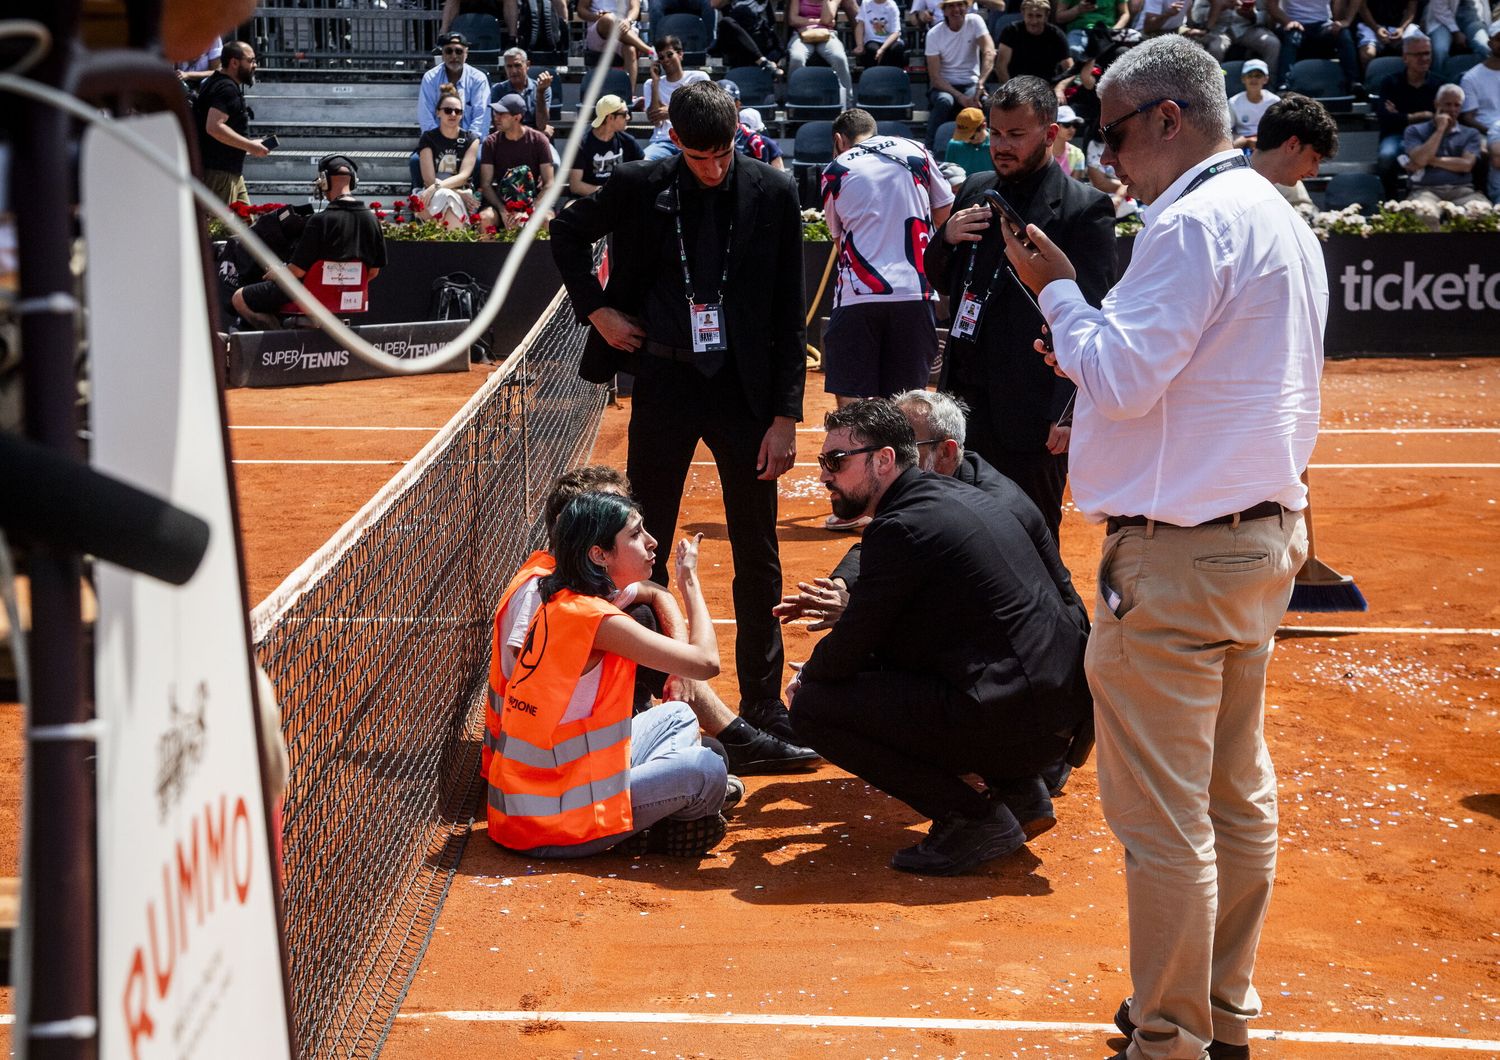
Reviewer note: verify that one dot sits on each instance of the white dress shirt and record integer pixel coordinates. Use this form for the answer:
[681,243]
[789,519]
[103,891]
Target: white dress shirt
[1198,376]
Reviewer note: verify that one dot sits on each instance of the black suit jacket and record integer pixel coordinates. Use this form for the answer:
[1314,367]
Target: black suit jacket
[763,305]
[951,585]
[1024,396]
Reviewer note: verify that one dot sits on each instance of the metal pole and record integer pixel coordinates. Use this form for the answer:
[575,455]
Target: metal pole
[60,898]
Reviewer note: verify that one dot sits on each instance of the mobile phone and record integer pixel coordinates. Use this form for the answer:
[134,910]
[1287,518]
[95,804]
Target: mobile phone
[1007,211]
[270,143]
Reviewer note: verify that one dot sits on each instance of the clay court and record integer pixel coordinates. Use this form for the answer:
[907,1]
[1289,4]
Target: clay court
[794,938]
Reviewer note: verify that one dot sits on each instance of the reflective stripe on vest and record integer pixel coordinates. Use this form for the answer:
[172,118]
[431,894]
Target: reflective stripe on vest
[539,564]
[595,791]
[565,753]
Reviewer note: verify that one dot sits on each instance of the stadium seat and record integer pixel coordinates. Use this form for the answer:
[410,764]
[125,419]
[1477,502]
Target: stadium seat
[940,141]
[756,85]
[691,30]
[1323,81]
[1346,189]
[1458,65]
[343,287]
[480,30]
[813,92]
[1380,68]
[812,150]
[616,83]
[885,92]
[1003,20]
[1233,86]
[893,128]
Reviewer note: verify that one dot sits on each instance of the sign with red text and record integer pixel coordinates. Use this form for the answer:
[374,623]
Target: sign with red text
[190,953]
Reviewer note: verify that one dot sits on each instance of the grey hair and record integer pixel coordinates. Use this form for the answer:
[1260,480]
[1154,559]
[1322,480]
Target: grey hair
[1172,67]
[1450,89]
[515,53]
[946,415]
[1416,36]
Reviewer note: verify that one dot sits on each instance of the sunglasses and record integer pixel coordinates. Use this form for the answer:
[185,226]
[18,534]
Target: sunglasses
[1114,140]
[457,49]
[833,461]
[450,110]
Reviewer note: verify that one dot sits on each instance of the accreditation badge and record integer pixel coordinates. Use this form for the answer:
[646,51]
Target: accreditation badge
[966,320]
[707,321]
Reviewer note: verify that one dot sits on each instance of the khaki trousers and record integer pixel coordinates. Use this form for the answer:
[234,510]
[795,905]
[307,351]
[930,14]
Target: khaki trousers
[1178,673]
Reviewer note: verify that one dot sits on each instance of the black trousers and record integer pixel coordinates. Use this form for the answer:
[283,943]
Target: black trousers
[673,407]
[914,738]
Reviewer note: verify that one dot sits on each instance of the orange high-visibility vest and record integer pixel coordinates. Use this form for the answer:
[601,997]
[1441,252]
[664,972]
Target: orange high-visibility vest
[556,784]
[538,565]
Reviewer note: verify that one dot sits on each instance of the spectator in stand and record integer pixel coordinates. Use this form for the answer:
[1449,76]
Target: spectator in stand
[1440,154]
[751,140]
[223,119]
[1087,21]
[704,9]
[877,34]
[473,87]
[882,196]
[1156,17]
[814,31]
[1300,22]
[960,54]
[1481,87]
[1226,23]
[448,156]
[1402,100]
[1068,155]
[1033,46]
[923,13]
[1104,179]
[1296,136]
[194,72]
[667,76]
[515,166]
[1246,108]
[970,146]
[606,146]
[507,10]
[1455,21]
[1381,25]
[746,37]
[534,90]
[601,16]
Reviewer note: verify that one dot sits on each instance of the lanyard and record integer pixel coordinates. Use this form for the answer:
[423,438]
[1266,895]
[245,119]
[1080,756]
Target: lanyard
[1213,171]
[969,270]
[687,278]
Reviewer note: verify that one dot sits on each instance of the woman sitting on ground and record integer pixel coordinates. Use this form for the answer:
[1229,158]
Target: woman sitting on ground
[448,156]
[574,774]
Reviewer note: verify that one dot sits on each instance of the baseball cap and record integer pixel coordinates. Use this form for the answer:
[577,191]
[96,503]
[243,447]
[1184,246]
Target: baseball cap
[603,108]
[512,103]
[1255,66]
[732,88]
[453,38]
[750,118]
[968,123]
[948,3]
[1066,115]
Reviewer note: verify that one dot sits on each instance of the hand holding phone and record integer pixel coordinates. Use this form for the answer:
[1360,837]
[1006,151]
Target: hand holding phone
[270,143]
[1008,214]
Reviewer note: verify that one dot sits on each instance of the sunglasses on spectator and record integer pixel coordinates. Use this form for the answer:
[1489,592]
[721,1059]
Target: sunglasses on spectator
[450,110]
[455,49]
[833,461]
[1114,140]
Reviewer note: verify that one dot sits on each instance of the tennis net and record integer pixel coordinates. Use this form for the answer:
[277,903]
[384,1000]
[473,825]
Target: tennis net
[378,647]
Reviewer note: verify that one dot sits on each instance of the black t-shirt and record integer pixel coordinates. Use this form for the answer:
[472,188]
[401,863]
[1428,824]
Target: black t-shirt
[1387,12]
[1036,54]
[1397,90]
[345,231]
[448,153]
[597,159]
[221,92]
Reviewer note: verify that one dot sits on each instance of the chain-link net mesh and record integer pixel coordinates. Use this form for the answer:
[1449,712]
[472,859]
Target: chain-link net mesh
[378,647]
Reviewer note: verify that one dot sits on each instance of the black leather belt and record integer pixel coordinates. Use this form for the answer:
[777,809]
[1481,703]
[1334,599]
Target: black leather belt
[1263,510]
[670,353]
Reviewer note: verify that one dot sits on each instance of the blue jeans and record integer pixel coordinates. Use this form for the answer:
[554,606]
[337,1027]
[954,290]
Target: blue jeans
[941,107]
[1386,164]
[1469,25]
[1343,46]
[661,149]
[671,775]
[1078,44]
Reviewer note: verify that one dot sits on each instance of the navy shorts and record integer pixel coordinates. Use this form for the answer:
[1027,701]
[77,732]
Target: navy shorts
[265,297]
[876,349]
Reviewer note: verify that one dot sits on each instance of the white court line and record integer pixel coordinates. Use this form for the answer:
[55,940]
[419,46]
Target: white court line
[1409,430]
[923,1024]
[303,427]
[388,462]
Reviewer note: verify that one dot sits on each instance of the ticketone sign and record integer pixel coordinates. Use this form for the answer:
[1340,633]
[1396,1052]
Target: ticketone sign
[1365,287]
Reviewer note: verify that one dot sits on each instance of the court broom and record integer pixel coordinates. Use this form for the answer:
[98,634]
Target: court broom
[1318,586]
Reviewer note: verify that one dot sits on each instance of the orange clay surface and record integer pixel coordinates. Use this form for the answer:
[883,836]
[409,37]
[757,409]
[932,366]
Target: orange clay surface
[1386,919]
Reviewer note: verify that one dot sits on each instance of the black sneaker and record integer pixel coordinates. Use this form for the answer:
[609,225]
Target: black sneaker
[752,752]
[1217,1050]
[687,839]
[770,715]
[957,844]
[634,845]
[734,793]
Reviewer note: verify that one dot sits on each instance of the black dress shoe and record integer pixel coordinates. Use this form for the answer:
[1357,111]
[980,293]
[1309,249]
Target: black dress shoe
[770,715]
[752,752]
[956,844]
[1217,1050]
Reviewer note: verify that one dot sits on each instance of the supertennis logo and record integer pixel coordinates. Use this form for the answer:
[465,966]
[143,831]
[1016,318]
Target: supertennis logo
[1408,290]
[300,359]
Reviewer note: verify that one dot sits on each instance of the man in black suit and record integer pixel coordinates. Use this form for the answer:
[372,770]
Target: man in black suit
[1017,421]
[958,651]
[704,306]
